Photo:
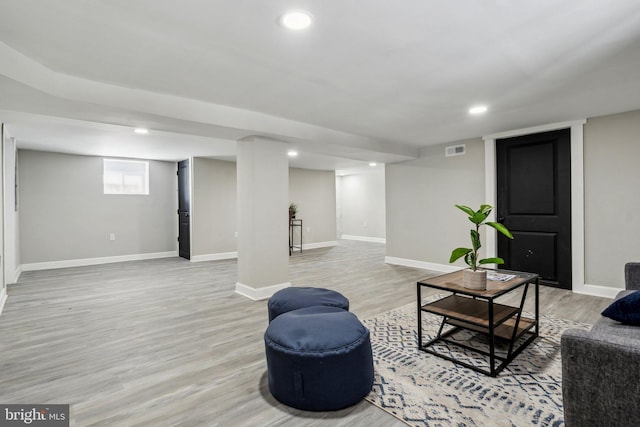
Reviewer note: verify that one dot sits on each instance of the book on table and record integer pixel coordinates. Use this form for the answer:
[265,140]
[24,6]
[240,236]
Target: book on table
[499,277]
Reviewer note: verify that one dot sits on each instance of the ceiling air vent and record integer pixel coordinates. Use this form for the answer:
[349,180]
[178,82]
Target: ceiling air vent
[454,150]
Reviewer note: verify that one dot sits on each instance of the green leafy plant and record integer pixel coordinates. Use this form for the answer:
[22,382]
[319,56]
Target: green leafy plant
[293,210]
[478,218]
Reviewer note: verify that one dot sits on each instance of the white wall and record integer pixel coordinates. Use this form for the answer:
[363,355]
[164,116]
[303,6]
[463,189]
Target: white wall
[64,214]
[362,204]
[11,224]
[61,200]
[612,205]
[423,226]
[213,210]
[4,136]
[314,192]
[422,222]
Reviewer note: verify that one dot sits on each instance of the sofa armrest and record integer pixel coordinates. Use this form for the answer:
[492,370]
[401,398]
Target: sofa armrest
[632,275]
[599,378]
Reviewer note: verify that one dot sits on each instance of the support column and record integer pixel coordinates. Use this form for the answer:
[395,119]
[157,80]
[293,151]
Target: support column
[263,228]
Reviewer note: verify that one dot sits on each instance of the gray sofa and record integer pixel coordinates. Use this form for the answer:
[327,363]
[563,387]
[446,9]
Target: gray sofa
[601,369]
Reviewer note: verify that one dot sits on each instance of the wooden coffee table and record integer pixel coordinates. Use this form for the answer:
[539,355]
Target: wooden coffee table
[477,311]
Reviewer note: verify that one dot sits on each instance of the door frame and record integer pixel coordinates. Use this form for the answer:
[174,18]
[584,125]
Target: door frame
[191,209]
[577,198]
[192,167]
[3,282]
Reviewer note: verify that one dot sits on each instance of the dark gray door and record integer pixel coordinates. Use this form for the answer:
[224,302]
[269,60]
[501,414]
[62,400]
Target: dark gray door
[534,203]
[184,210]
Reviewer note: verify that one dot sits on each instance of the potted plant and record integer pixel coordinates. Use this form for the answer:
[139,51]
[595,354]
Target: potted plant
[293,209]
[472,277]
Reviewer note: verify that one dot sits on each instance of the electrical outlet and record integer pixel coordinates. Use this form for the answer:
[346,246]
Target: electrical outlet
[235,234]
[308,229]
[112,237]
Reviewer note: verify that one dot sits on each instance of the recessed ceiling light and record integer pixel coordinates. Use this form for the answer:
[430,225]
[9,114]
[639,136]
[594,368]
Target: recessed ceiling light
[372,164]
[295,20]
[141,131]
[478,109]
[292,153]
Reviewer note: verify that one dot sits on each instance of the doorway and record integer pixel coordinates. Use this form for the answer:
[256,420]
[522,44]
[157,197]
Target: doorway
[534,203]
[184,211]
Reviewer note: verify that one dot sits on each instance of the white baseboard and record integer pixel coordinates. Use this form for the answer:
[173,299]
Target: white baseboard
[444,268]
[18,273]
[94,261]
[257,294]
[214,257]
[317,245]
[234,255]
[3,298]
[364,238]
[597,291]
[593,290]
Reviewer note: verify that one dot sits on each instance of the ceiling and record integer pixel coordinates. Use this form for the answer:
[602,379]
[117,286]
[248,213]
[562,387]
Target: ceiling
[370,80]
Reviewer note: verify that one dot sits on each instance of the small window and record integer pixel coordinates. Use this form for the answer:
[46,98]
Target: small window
[126,177]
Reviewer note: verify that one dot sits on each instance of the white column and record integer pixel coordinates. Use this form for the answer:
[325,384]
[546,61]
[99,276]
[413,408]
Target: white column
[263,227]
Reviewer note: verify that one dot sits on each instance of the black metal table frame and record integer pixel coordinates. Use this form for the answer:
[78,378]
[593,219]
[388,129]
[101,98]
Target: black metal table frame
[511,354]
[293,223]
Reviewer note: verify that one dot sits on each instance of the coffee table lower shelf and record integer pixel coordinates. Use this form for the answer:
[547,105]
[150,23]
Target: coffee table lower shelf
[502,332]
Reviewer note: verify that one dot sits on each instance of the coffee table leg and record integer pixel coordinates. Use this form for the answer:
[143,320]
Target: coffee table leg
[514,334]
[537,306]
[419,292]
[492,342]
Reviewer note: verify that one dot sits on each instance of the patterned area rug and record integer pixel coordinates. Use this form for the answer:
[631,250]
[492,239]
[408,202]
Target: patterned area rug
[425,390]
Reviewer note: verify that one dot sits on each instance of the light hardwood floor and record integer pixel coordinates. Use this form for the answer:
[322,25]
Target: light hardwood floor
[169,343]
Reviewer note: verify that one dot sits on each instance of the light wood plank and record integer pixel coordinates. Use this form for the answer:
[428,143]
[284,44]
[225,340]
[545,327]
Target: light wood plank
[168,342]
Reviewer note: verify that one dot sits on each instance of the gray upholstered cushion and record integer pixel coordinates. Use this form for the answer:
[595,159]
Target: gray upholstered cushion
[600,371]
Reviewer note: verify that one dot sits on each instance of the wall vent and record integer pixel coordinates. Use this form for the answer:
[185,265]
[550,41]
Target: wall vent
[454,150]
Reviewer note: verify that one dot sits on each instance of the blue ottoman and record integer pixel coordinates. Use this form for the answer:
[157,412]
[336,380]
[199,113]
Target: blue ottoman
[293,298]
[318,359]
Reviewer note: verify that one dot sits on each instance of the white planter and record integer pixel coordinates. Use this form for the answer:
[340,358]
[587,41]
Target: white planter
[474,279]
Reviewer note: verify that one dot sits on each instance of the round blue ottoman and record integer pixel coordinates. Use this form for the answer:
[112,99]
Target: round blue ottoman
[318,359]
[293,298]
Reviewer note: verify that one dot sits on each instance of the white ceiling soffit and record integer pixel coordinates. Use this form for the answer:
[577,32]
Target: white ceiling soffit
[368,78]
[38,132]
[76,97]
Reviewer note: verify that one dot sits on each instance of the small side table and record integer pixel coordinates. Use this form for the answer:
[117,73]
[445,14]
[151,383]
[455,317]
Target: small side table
[293,224]
[477,311]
